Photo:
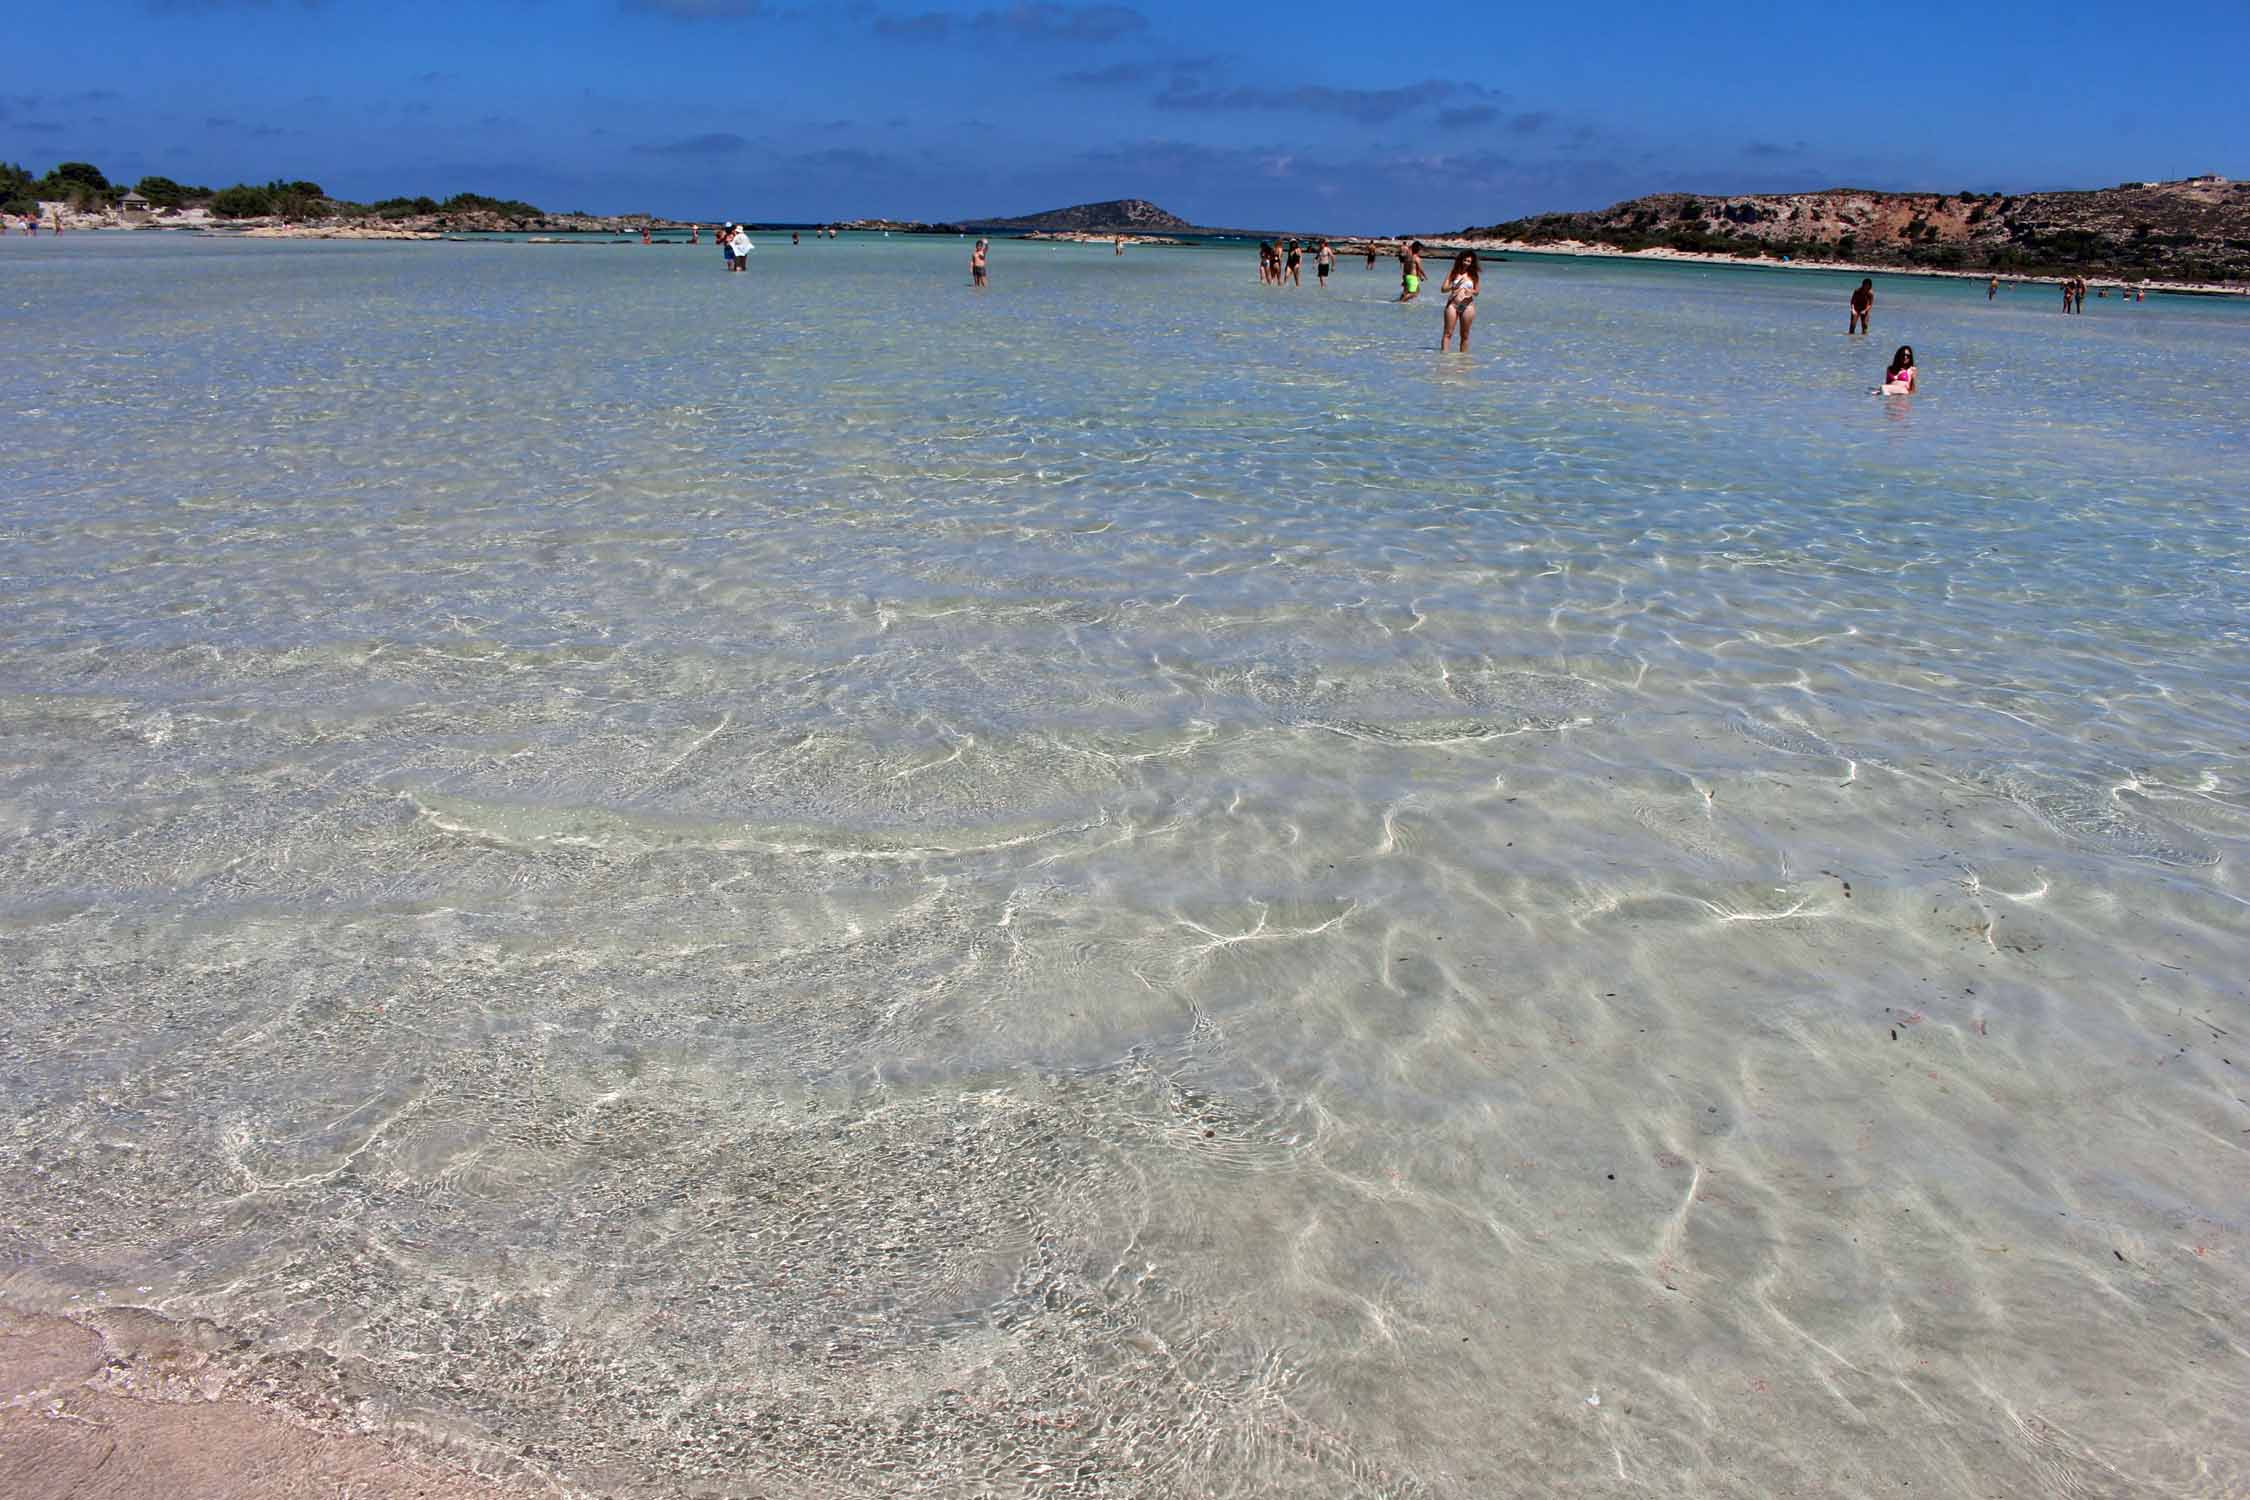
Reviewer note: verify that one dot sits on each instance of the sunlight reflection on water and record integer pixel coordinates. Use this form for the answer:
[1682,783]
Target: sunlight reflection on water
[1134,881]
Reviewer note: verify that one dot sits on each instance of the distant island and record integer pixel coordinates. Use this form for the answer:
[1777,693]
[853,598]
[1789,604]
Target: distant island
[2197,230]
[79,195]
[1128,216]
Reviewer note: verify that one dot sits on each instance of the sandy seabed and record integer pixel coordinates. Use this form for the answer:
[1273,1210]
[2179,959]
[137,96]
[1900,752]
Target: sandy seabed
[1142,919]
[127,1405]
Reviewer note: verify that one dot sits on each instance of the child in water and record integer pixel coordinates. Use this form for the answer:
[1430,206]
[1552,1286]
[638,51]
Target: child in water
[1898,380]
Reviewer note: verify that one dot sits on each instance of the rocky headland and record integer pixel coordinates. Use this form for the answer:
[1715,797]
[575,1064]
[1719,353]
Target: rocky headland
[2187,232]
[1128,216]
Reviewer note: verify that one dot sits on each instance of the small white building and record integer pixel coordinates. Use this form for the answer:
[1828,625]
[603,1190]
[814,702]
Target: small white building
[134,203]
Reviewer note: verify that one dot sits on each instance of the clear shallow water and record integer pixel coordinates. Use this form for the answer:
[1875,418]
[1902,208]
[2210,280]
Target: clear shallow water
[1134,885]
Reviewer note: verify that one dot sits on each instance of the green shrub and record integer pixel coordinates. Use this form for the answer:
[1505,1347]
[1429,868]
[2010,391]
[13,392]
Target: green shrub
[163,192]
[242,201]
[80,173]
[295,200]
[506,208]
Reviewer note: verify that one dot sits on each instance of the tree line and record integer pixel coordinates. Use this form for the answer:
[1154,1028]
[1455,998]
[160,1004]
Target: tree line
[86,188]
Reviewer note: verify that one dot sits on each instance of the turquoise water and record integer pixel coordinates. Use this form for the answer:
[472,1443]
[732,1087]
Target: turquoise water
[1134,884]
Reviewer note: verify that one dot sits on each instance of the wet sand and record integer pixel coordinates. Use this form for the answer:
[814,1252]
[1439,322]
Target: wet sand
[130,1406]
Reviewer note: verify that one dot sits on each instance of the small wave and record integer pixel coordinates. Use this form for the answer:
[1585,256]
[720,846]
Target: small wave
[2099,819]
[1443,731]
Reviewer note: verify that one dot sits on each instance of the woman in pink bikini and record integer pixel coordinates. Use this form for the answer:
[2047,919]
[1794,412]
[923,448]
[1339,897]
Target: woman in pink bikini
[1898,380]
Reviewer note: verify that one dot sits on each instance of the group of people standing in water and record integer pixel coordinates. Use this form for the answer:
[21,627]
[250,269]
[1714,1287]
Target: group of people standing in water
[1281,263]
[2074,294]
[1899,379]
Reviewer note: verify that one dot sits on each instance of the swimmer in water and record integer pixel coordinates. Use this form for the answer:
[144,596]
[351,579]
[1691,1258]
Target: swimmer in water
[1898,380]
[1324,262]
[977,266]
[1460,299]
[1863,303]
[1410,272]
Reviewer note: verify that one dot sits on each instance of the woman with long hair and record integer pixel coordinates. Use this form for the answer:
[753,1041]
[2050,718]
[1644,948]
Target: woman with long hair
[1898,380]
[1460,290]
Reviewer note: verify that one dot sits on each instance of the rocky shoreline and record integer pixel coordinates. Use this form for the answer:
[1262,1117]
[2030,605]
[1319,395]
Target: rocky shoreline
[430,226]
[2189,234]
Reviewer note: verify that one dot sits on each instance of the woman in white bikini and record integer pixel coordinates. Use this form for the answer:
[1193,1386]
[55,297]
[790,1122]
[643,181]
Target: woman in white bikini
[1460,299]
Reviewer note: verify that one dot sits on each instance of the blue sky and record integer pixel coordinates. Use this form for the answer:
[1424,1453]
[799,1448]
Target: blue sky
[1308,114]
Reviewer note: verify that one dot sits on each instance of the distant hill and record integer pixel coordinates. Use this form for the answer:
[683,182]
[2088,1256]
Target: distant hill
[2196,230]
[1119,215]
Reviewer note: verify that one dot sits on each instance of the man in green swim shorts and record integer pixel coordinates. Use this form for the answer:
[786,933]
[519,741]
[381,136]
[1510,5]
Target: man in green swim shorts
[1410,272]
